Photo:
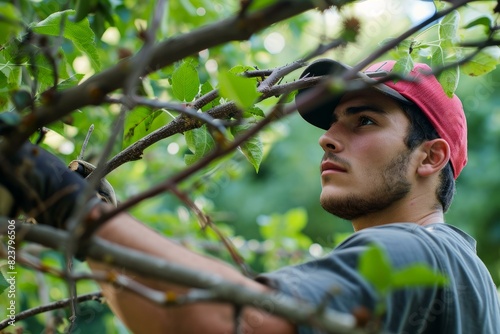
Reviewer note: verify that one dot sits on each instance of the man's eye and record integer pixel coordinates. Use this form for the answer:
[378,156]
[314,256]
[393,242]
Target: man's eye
[363,120]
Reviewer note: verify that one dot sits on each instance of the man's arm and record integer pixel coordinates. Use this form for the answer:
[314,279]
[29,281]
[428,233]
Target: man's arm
[143,316]
[39,184]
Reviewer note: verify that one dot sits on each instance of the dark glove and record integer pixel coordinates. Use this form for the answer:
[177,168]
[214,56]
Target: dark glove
[105,191]
[40,185]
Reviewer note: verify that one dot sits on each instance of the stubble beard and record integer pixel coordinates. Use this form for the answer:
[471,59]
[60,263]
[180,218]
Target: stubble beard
[393,186]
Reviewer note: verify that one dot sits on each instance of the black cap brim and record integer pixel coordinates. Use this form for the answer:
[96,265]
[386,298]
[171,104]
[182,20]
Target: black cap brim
[320,114]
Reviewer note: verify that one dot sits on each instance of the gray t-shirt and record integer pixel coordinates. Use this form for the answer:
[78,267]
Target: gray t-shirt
[468,305]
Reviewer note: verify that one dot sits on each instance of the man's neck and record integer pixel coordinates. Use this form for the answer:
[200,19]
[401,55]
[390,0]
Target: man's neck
[405,211]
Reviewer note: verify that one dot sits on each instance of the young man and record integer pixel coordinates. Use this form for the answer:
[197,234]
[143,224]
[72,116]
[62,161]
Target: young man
[392,154]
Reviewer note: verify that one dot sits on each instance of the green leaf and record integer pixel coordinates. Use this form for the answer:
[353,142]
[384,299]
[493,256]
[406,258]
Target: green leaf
[3,80]
[139,123]
[83,9]
[258,4]
[3,283]
[374,266]
[253,111]
[252,149]
[403,65]
[70,81]
[79,33]
[239,69]
[241,90]
[437,58]
[440,5]
[417,275]
[400,50]
[185,82]
[449,80]
[480,21]
[14,79]
[10,25]
[200,142]
[485,61]
[206,88]
[448,29]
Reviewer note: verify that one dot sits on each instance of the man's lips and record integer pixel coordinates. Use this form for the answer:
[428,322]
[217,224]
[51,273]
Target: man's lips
[328,166]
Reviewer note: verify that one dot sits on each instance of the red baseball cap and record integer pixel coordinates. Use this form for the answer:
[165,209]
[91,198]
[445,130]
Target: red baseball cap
[424,90]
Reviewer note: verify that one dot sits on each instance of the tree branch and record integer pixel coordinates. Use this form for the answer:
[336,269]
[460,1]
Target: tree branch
[94,90]
[49,307]
[299,312]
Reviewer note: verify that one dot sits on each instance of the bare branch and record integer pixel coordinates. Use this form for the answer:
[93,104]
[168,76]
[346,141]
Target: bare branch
[85,142]
[203,117]
[94,90]
[49,307]
[217,288]
[205,221]
[395,42]
[218,152]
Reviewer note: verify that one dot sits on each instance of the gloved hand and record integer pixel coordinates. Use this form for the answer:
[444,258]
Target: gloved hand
[40,185]
[105,191]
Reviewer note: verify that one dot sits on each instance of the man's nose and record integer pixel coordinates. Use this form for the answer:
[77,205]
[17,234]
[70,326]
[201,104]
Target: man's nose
[330,140]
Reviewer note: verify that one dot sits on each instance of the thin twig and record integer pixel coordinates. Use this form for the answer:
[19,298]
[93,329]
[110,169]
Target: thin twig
[209,286]
[146,53]
[218,152]
[49,307]
[205,221]
[43,295]
[93,90]
[203,117]
[352,72]
[85,142]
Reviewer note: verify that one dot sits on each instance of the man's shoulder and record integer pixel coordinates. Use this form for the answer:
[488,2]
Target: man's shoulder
[392,233]
[397,233]
[408,242]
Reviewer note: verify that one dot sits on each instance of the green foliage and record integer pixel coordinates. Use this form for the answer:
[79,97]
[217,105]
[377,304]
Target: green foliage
[404,64]
[9,24]
[286,229]
[276,209]
[484,21]
[84,8]
[3,283]
[241,90]
[142,121]
[79,33]
[200,143]
[185,82]
[252,149]
[484,62]
[443,47]
[285,233]
[448,30]
[375,267]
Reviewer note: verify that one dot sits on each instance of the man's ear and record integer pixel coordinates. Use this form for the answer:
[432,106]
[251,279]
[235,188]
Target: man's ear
[436,156]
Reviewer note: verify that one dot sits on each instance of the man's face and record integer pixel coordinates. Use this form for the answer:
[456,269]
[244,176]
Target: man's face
[366,164]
